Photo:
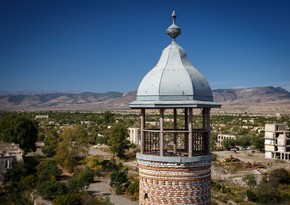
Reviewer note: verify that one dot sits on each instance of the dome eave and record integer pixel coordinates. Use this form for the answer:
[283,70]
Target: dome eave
[137,104]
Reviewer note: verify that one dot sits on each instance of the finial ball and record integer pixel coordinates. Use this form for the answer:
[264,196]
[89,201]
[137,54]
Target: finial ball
[173,31]
[174,14]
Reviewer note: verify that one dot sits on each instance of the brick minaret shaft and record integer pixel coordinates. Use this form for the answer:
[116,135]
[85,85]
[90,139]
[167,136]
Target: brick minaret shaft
[182,174]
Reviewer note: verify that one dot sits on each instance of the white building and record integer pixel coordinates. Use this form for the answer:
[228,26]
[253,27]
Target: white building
[277,141]
[134,135]
[222,137]
[10,153]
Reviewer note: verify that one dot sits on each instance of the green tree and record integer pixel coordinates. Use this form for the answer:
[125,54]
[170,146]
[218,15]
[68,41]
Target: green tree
[244,141]
[74,146]
[267,193]
[251,195]
[80,180]
[48,170]
[67,199]
[109,165]
[20,130]
[259,142]
[50,143]
[229,143]
[250,180]
[108,117]
[51,188]
[21,175]
[27,182]
[280,175]
[15,174]
[133,187]
[119,179]
[118,140]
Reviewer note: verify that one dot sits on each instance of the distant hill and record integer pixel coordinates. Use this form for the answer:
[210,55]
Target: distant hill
[251,95]
[256,99]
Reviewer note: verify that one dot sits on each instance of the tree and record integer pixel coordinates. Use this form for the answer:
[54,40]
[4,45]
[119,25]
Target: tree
[27,182]
[50,143]
[244,141]
[14,175]
[48,170]
[51,188]
[67,199]
[133,188]
[80,180]
[21,176]
[119,180]
[20,130]
[251,195]
[118,140]
[229,143]
[267,192]
[280,175]
[250,180]
[259,142]
[74,146]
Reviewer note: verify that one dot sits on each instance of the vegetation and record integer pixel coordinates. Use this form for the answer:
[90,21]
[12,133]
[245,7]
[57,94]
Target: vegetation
[119,180]
[279,175]
[133,189]
[64,172]
[48,170]
[80,180]
[250,180]
[20,130]
[118,140]
[72,147]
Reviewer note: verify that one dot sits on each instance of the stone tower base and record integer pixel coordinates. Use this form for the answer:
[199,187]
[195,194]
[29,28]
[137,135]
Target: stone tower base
[174,180]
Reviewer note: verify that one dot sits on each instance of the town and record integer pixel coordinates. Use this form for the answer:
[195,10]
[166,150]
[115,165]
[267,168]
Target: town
[174,140]
[76,153]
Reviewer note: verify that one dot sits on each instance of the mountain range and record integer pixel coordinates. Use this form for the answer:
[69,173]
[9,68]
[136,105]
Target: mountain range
[253,100]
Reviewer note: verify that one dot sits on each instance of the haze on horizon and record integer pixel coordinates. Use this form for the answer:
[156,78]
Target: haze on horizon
[101,46]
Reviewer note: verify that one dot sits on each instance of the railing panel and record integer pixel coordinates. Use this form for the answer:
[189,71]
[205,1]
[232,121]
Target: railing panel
[151,143]
[175,142]
[200,143]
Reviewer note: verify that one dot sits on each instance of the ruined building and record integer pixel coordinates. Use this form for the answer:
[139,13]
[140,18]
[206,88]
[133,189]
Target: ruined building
[175,158]
[10,153]
[277,141]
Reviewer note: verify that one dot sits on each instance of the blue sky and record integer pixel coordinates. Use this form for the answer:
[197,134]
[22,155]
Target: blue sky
[107,45]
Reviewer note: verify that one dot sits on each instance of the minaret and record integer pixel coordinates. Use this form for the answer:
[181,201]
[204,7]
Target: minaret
[174,160]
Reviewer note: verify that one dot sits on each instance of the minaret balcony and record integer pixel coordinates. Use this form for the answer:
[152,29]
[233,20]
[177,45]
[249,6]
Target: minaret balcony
[176,142]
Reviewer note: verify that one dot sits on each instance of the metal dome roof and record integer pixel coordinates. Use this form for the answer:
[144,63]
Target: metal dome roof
[174,82]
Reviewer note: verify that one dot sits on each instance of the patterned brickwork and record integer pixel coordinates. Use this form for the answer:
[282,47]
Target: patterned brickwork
[174,183]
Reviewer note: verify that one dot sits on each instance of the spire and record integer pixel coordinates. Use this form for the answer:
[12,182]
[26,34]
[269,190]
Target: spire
[173,31]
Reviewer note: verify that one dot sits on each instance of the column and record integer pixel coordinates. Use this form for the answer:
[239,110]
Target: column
[161,132]
[190,133]
[175,129]
[186,129]
[206,127]
[206,118]
[142,129]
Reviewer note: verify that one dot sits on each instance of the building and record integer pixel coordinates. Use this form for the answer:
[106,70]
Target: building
[45,117]
[174,162]
[277,141]
[222,137]
[134,135]
[10,153]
